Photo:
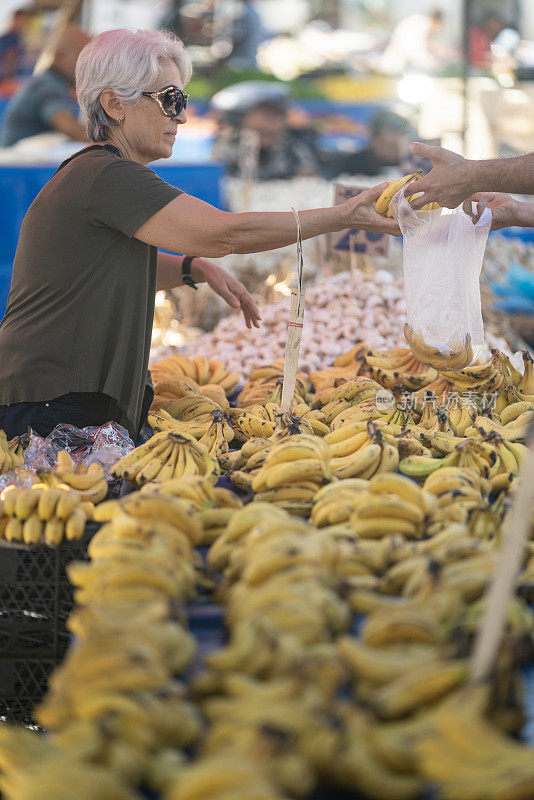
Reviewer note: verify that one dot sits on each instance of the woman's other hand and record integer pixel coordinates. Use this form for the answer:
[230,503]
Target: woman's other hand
[229,288]
[362,213]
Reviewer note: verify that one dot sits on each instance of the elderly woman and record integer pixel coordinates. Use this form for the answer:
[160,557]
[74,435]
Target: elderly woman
[75,339]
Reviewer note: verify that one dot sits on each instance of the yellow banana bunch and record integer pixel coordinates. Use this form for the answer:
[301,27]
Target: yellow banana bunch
[195,488]
[165,456]
[9,457]
[43,514]
[198,369]
[399,369]
[360,453]
[391,505]
[334,503]
[457,357]
[265,386]
[383,204]
[487,764]
[89,481]
[295,461]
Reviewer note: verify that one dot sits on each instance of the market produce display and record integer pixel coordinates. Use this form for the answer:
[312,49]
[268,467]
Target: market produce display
[351,594]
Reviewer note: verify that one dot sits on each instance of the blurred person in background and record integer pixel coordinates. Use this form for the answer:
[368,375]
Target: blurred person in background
[390,135]
[12,45]
[482,36]
[45,102]
[412,45]
[260,110]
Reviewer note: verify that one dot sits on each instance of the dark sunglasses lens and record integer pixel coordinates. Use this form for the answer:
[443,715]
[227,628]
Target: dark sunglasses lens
[174,102]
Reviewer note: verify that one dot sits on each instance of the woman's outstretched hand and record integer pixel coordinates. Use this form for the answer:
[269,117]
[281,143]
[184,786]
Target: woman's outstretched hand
[229,288]
[362,214]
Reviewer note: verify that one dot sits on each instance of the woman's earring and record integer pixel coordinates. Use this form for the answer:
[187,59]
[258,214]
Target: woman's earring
[119,120]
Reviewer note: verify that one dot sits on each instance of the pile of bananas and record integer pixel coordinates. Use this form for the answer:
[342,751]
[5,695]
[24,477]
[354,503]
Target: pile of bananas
[204,372]
[486,764]
[10,453]
[399,369]
[115,700]
[215,505]
[89,481]
[265,386]
[193,414]
[391,505]
[358,453]
[292,472]
[43,514]
[33,765]
[167,455]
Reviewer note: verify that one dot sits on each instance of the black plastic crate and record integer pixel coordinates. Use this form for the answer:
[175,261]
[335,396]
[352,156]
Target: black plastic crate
[23,683]
[35,602]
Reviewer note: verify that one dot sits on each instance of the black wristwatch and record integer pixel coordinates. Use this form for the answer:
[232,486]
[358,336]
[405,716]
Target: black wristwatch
[187,278]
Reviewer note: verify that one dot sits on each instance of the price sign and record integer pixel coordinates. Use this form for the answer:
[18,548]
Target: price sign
[352,239]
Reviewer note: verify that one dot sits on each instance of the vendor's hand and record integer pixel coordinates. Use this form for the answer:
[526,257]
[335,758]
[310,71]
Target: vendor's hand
[504,209]
[449,181]
[229,288]
[362,214]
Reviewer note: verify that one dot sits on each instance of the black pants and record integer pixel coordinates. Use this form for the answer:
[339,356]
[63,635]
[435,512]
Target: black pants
[76,408]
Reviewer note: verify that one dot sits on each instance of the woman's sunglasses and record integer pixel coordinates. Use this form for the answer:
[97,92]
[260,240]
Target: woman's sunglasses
[171,100]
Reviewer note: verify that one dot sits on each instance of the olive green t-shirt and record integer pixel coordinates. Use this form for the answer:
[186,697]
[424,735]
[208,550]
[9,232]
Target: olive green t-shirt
[80,311]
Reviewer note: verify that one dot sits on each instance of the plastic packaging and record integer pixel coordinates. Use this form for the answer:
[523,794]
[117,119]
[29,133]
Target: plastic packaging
[105,444]
[442,259]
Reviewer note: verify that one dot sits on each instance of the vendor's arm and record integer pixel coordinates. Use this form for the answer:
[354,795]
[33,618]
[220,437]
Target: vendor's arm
[65,122]
[452,178]
[188,225]
[505,209]
[204,271]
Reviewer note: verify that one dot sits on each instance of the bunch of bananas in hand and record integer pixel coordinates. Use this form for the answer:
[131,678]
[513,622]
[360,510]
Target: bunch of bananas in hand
[89,481]
[10,457]
[392,504]
[455,356]
[43,514]
[398,368]
[165,456]
[358,453]
[292,472]
[201,370]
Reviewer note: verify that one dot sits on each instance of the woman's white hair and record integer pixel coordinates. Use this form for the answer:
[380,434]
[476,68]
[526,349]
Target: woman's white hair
[128,62]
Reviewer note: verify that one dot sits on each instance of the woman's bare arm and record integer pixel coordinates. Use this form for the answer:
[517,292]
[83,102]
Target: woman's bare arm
[188,225]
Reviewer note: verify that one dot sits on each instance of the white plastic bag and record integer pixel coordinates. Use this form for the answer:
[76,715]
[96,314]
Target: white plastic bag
[442,259]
